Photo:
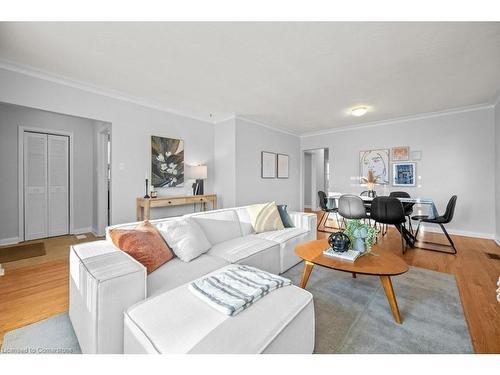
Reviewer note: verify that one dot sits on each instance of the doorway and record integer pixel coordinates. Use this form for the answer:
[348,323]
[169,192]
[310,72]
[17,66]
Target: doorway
[44,183]
[103,179]
[316,176]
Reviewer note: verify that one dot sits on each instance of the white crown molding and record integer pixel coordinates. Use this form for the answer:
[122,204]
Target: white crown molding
[69,82]
[280,130]
[420,116]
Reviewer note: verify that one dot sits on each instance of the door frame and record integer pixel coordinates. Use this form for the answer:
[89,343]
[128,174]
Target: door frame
[101,179]
[302,170]
[20,174]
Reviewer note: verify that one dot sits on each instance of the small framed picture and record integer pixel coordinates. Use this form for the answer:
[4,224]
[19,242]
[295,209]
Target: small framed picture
[282,166]
[268,164]
[404,174]
[400,153]
[416,155]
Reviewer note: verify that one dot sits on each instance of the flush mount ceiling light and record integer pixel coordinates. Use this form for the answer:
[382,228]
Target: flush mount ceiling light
[359,111]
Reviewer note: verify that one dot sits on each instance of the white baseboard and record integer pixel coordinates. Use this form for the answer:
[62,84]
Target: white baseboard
[498,241]
[489,236]
[307,206]
[81,230]
[9,241]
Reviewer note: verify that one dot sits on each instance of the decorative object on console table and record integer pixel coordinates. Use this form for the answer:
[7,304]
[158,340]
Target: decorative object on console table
[282,166]
[144,205]
[376,161]
[199,173]
[400,153]
[403,174]
[146,195]
[167,162]
[153,193]
[268,164]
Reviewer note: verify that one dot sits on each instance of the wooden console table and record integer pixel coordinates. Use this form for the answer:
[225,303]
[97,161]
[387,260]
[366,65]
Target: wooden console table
[144,205]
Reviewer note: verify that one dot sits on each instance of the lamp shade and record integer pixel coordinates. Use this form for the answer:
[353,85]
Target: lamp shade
[199,172]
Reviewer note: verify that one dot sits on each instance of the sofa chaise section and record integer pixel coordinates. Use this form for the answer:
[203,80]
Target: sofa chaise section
[281,322]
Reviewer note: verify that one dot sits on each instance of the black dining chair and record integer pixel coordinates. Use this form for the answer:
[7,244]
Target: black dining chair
[352,207]
[390,211]
[441,220]
[328,206]
[408,207]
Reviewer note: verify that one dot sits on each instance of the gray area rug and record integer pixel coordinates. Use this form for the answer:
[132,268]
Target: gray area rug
[352,316]
[54,335]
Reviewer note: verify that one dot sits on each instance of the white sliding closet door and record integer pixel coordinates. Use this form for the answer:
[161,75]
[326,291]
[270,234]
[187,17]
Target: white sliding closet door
[35,186]
[58,185]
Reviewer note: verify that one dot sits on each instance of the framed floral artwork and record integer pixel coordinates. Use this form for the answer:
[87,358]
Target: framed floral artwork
[167,162]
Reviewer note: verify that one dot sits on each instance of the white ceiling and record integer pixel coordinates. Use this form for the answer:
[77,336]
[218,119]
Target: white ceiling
[297,76]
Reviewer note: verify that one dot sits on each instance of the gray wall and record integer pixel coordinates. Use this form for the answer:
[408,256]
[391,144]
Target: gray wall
[251,139]
[458,156]
[497,169]
[225,163]
[133,126]
[11,117]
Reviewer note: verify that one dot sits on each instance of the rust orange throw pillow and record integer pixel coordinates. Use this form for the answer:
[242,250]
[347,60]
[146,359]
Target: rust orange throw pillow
[144,243]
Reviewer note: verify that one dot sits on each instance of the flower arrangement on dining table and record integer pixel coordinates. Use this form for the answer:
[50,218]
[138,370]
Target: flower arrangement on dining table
[370,180]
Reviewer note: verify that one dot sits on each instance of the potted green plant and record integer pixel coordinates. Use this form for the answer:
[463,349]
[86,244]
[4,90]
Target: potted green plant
[362,236]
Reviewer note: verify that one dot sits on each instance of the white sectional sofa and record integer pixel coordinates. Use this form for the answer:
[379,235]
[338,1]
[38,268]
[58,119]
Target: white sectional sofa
[110,290]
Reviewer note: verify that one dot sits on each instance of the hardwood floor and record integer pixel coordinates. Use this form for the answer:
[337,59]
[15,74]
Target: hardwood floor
[37,288]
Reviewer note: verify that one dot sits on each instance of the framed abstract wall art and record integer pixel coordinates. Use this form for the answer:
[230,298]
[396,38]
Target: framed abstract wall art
[376,161]
[167,162]
[400,153]
[404,174]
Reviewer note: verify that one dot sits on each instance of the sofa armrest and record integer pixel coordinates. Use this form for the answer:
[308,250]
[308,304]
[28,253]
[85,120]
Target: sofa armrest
[304,220]
[104,282]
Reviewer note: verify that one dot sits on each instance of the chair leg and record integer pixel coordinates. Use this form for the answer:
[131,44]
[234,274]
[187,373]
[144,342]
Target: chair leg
[452,244]
[321,221]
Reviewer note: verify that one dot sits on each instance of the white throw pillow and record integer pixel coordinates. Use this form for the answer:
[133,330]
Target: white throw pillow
[185,237]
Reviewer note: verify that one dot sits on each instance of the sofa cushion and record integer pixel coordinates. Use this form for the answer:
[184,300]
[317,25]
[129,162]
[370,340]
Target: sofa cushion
[143,243]
[189,325]
[282,235]
[176,273]
[250,250]
[185,237]
[245,221]
[265,217]
[285,217]
[218,225]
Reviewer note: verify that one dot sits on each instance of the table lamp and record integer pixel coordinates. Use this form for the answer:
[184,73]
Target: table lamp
[198,172]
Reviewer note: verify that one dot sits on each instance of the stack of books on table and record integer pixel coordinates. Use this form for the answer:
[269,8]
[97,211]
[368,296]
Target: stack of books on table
[349,255]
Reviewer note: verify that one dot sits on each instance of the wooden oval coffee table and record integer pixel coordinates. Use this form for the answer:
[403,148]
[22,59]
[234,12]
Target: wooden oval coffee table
[380,263]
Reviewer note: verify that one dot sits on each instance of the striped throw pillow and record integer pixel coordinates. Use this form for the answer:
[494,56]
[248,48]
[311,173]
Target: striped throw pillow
[265,217]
